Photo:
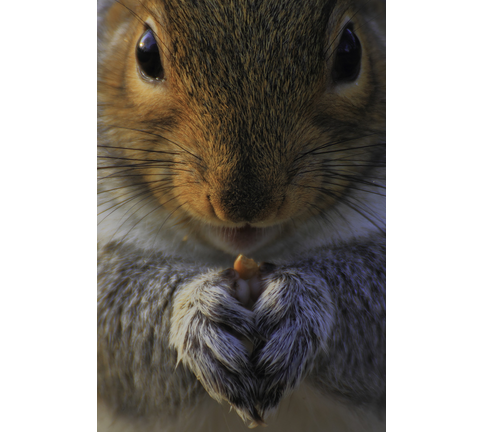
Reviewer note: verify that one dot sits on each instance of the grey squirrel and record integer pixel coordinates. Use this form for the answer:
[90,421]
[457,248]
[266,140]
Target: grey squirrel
[253,127]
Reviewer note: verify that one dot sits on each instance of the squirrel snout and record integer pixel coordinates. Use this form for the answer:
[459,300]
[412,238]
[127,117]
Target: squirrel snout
[245,205]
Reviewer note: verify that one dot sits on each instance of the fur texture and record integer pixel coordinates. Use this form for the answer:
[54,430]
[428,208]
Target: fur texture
[247,144]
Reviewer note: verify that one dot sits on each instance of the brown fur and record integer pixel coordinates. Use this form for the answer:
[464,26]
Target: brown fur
[247,129]
[228,120]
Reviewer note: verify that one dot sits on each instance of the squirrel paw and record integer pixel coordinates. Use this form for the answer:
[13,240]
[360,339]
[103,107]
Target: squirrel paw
[207,328]
[294,315]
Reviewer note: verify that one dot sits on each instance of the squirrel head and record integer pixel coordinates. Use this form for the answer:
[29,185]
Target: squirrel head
[243,115]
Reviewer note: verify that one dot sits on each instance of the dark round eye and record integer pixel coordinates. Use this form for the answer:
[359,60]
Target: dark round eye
[347,63]
[147,54]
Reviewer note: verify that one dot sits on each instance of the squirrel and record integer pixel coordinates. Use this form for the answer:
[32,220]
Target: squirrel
[252,127]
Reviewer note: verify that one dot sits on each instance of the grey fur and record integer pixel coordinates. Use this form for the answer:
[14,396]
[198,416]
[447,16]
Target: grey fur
[323,315]
[170,330]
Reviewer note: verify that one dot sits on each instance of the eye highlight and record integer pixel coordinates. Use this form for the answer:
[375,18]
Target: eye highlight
[148,57]
[348,57]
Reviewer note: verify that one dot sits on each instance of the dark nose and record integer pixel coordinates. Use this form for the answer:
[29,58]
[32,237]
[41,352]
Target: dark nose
[244,201]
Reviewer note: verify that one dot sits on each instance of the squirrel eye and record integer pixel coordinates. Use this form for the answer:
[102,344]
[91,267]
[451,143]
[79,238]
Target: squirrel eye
[348,57]
[147,54]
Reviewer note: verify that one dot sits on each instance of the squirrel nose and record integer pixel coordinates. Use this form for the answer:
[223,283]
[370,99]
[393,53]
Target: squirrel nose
[242,205]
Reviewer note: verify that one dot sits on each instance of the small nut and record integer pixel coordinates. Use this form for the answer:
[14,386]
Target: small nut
[246,267]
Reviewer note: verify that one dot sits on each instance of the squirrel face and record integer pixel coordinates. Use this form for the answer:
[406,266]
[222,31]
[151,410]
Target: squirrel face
[242,117]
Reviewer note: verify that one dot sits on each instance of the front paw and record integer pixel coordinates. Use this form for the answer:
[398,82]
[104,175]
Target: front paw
[207,326]
[294,315]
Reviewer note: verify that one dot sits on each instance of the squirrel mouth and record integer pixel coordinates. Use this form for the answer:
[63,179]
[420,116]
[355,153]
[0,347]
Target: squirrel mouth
[243,239]
[245,234]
